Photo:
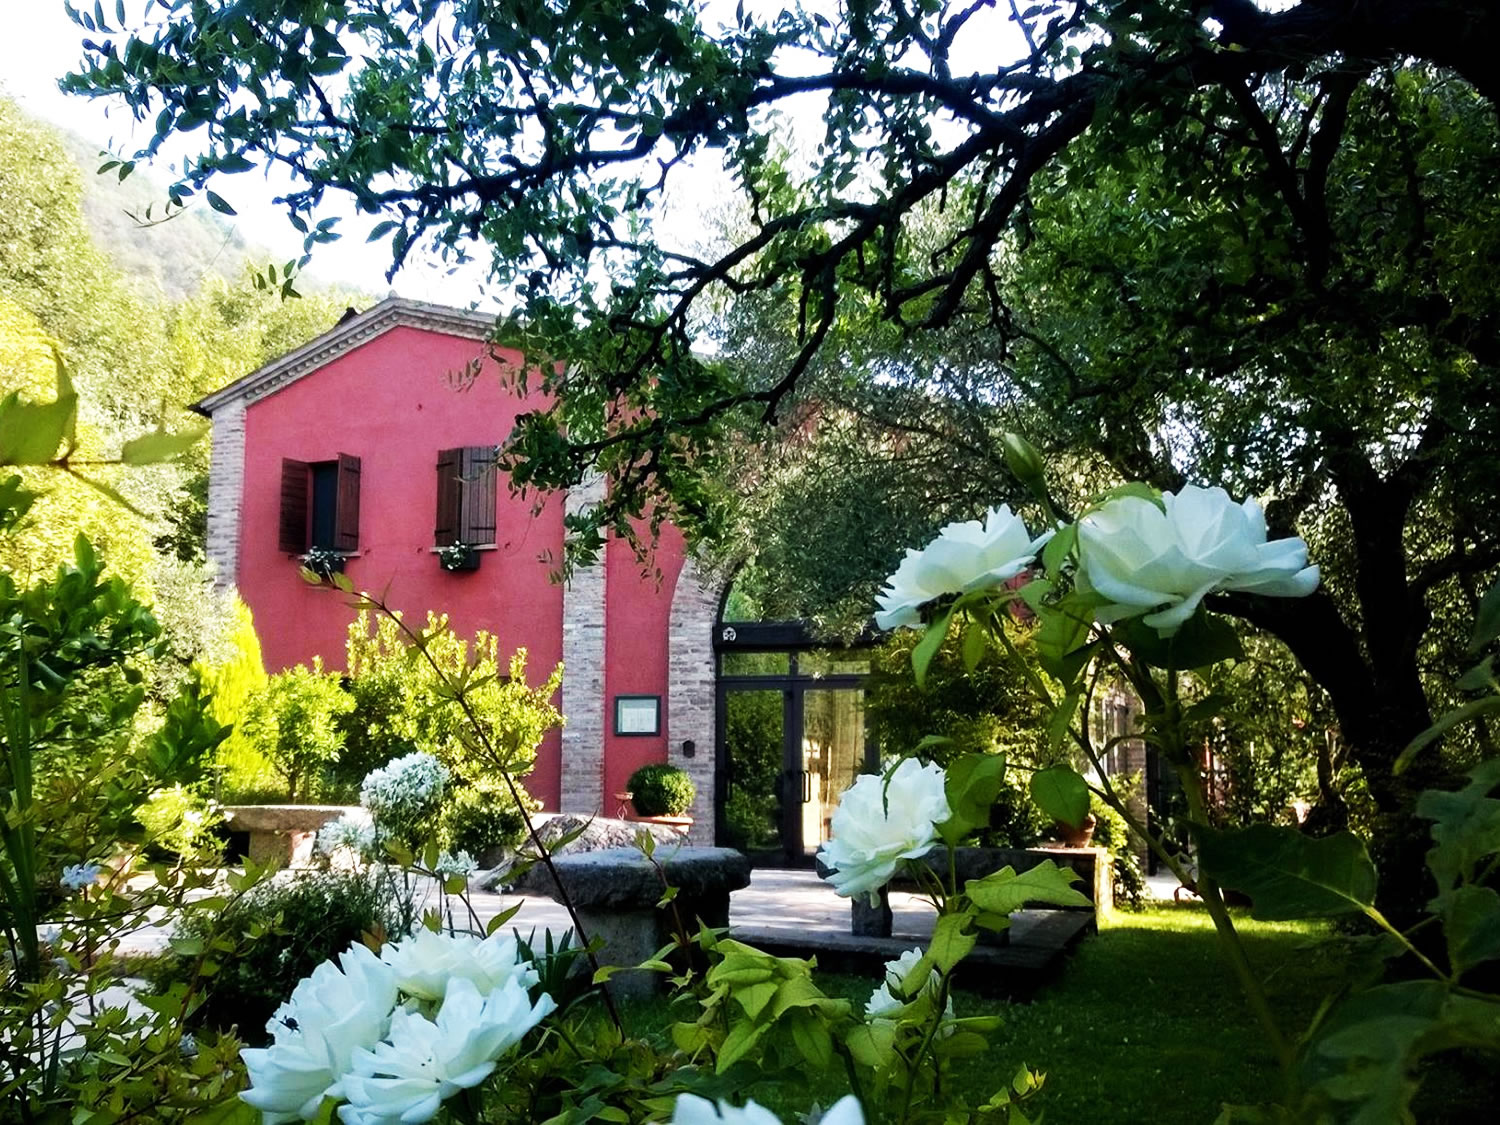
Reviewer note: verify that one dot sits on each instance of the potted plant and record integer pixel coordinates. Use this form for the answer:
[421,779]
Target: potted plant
[457,557]
[324,561]
[662,794]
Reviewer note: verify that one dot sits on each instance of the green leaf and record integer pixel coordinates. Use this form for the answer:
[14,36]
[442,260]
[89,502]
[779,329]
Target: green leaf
[1061,640]
[32,433]
[754,997]
[1062,794]
[1288,875]
[218,203]
[1479,677]
[1061,719]
[1471,926]
[927,647]
[972,783]
[1466,825]
[159,445]
[1057,550]
[811,1037]
[1204,639]
[1487,619]
[952,941]
[500,919]
[1467,713]
[740,1041]
[1004,892]
[976,642]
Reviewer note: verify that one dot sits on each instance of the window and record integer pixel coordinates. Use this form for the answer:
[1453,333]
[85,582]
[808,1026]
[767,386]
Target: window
[319,504]
[637,714]
[466,496]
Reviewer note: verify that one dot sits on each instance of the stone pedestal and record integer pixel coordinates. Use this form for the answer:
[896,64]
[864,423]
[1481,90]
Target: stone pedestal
[616,890]
[283,834]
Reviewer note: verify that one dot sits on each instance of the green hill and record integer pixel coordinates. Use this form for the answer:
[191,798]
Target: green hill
[173,256]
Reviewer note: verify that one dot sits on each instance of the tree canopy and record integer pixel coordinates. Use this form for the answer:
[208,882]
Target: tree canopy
[1207,241]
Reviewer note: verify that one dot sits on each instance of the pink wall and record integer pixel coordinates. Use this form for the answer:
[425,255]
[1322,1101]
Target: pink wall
[388,402]
[637,616]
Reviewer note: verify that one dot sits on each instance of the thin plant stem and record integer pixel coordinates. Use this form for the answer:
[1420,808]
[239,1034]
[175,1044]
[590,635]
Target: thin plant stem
[460,697]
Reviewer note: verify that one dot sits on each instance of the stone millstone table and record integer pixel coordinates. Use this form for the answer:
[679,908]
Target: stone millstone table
[615,892]
[283,834]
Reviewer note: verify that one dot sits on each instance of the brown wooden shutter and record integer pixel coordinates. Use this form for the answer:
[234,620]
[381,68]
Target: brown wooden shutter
[477,516]
[292,536]
[450,491]
[346,510]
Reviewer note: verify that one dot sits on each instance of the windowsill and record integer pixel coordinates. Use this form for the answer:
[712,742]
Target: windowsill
[471,546]
[341,554]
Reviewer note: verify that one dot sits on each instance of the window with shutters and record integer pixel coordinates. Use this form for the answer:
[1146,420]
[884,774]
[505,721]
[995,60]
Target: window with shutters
[320,505]
[466,496]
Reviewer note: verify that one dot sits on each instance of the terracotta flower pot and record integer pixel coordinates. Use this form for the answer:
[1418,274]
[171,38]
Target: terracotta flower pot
[1081,836]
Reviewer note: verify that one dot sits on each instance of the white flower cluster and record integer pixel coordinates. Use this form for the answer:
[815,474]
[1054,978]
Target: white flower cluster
[693,1110]
[404,792]
[77,876]
[880,822]
[883,1001]
[392,1037]
[350,836]
[459,863]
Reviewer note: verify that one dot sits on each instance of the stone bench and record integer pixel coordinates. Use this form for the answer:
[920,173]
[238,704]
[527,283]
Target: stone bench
[615,892]
[283,834]
[1092,865]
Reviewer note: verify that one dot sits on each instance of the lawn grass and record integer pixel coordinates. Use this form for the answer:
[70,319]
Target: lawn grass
[1145,1023]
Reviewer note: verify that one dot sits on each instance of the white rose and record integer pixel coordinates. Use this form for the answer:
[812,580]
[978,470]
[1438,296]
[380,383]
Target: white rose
[425,963]
[336,1011]
[883,1002]
[424,1062]
[693,1110]
[1163,563]
[876,826]
[965,556]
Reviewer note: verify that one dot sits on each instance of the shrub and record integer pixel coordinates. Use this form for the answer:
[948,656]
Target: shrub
[290,925]
[401,705]
[294,722]
[483,819]
[661,790]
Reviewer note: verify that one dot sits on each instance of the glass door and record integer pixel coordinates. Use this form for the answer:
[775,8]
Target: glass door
[754,765]
[833,754]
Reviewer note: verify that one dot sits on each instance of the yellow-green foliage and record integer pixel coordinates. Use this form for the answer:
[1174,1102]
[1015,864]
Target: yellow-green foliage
[245,773]
[294,720]
[66,507]
[401,704]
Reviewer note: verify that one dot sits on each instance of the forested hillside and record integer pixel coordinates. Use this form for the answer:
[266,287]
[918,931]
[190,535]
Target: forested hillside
[147,319]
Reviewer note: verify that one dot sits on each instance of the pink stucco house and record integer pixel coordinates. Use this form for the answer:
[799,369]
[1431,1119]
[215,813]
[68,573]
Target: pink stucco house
[370,440]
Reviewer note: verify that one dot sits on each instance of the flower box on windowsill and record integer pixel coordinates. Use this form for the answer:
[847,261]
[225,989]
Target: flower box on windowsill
[458,557]
[323,562]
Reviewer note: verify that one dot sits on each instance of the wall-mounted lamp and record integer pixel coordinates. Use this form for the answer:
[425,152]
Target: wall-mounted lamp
[689,748]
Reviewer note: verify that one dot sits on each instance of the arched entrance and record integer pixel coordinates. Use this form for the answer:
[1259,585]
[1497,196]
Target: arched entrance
[790,723]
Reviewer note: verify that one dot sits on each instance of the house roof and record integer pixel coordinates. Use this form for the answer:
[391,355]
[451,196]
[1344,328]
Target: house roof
[348,334]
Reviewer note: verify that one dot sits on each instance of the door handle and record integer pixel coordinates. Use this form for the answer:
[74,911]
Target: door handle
[806,787]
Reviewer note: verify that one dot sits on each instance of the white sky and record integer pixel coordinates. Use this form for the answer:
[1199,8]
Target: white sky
[41,44]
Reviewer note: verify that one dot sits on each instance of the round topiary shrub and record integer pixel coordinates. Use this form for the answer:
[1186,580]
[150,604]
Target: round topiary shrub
[661,790]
